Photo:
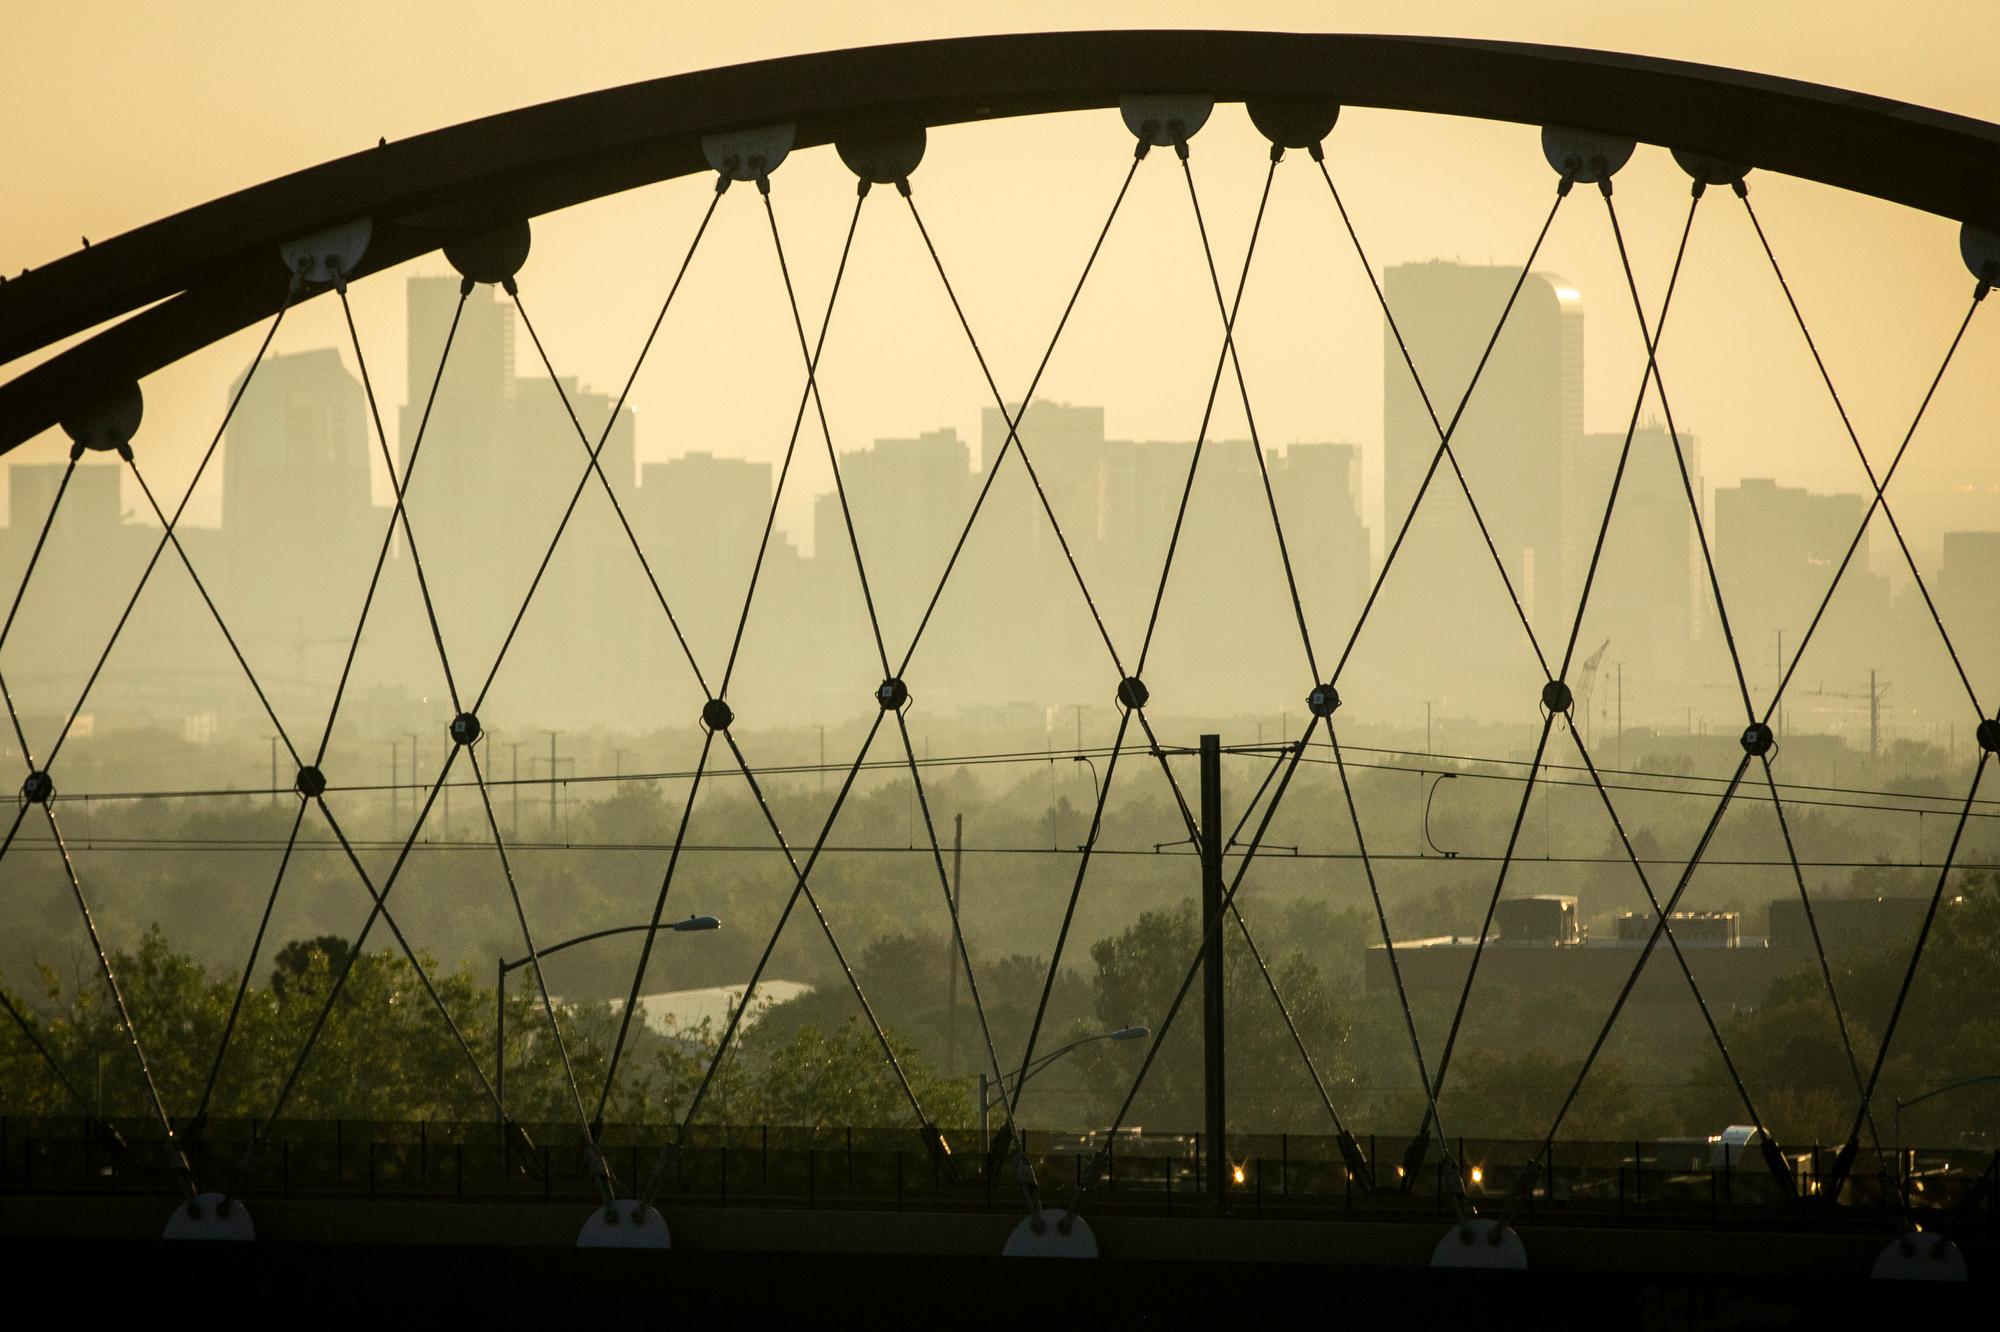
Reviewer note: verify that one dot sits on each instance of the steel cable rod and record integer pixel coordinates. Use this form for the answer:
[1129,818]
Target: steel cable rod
[167,1135]
[235,650]
[159,549]
[591,468]
[1012,418]
[1978,297]
[1270,981]
[652,932]
[290,1082]
[1659,383]
[35,554]
[1651,335]
[1402,990]
[806,395]
[826,927]
[958,932]
[1285,1015]
[811,356]
[1819,362]
[249,969]
[668,1154]
[401,485]
[35,1041]
[20,737]
[380,909]
[1229,312]
[602,1168]
[402,513]
[1673,944]
[604,437]
[1832,992]
[1492,904]
[1530,1170]
[1444,438]
[1845,1161]
[1095,1169]
[1069,911]
[1243,391]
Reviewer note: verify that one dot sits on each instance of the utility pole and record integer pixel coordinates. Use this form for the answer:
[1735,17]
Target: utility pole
[394,803]
[1217,1117]
[1621,714]
[952,957]
[415,804]
[1427,727]
[1780,679]
[274,769]
[515,832]
[552,783]
[1874,720]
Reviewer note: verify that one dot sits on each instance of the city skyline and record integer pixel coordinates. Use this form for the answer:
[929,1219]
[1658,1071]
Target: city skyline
[503,456]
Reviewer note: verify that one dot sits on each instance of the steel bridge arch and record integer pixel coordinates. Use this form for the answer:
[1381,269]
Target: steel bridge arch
[205,273]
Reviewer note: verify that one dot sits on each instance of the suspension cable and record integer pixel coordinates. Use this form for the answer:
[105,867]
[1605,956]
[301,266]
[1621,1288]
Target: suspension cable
[1845,1161]
[249,966]
[1651,336]
[1978,297]
[1531,1169]
[1446,433]
[601,1169]
[1096,1166]
[178,1158]
[1854,438]
[1012,418]
[401,485]
[652,932]
[402,513]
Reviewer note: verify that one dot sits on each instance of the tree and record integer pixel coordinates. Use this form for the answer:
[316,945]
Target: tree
[1137,974]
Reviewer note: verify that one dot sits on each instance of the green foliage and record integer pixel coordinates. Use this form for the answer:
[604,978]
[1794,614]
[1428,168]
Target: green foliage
[386,1054]
[1137,975]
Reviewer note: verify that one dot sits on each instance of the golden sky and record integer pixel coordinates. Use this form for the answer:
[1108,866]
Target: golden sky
[118,113]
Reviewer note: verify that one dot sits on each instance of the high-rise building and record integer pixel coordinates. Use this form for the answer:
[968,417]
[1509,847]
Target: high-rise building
[1650,594]
[1523,420]
[295,470]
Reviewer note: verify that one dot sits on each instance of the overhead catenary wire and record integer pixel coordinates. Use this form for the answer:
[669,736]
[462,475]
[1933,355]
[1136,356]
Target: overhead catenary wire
[1912,802]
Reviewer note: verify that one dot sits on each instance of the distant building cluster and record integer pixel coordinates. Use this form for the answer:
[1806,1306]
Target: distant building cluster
[300,531]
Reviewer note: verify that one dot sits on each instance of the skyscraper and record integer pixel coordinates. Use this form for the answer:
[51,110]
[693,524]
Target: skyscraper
[295,472]
[1523,420]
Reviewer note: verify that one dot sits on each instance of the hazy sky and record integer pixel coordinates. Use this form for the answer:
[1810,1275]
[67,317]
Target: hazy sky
[121,113]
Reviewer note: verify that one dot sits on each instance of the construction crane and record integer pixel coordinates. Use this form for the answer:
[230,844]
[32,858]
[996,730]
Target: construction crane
[1586,678]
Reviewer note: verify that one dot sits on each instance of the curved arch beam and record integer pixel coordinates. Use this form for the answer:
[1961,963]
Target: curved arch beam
[212,270]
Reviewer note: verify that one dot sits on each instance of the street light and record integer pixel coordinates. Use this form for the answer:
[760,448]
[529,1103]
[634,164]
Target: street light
[1901,1175]
[1096,790]
[500,990]
[1015,1080]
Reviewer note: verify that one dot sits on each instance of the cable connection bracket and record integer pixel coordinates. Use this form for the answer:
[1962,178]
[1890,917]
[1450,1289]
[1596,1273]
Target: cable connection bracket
[1165,120]
[1584,156]
[327,258]
[1293,122]
[107,423]
[749,154]
[493,257]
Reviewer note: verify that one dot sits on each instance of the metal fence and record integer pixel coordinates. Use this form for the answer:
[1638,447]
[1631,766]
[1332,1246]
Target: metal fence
[1670,1183]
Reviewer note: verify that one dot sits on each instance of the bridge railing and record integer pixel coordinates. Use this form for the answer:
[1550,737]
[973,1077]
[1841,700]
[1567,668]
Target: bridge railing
[1676,1183]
